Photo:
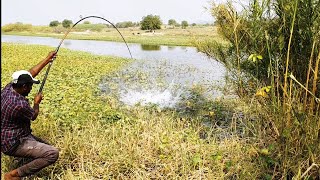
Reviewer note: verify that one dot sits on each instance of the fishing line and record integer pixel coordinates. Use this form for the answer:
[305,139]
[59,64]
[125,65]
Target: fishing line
[66,34]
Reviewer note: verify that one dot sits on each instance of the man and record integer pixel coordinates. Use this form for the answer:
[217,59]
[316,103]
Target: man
[16,117]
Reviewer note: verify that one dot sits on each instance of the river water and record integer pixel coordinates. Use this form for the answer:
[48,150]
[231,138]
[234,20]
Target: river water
[159,74]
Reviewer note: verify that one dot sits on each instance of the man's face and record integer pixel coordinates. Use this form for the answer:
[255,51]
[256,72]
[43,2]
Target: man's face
[26,89]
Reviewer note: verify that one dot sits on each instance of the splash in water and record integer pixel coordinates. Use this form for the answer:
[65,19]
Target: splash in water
[158,83]
[166,98]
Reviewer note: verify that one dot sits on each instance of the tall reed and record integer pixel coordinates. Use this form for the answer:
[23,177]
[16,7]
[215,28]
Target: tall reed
[287,38]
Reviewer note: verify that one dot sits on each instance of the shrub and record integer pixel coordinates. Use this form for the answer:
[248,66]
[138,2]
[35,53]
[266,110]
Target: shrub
[54,23]
[18,27]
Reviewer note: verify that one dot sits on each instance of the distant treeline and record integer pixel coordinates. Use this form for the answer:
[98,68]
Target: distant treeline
[149,22]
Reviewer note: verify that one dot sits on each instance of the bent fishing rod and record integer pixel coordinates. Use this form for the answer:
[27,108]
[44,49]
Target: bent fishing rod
[66,34]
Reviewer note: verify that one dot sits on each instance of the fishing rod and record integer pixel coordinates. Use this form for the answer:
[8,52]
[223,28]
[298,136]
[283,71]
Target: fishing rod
[57,49]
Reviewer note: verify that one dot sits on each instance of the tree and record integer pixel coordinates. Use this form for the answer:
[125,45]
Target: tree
[151,22]
[54,23]
[184,24]
[172,22]
[86,22]
[66,23]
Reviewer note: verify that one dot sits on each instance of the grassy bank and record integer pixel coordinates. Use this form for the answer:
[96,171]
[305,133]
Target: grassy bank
[99,138]
[171,37]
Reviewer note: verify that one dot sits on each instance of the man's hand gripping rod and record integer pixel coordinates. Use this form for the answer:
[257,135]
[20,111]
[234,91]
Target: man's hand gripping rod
[47,72]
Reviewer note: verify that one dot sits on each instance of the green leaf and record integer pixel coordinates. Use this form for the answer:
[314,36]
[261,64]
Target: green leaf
[254,59]
[196,160]
[251,56]
[268,88]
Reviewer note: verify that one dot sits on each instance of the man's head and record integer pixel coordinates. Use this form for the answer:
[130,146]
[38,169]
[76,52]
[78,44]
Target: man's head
[22,82]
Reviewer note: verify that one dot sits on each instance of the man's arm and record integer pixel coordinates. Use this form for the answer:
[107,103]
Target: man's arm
[37,68]
[36,104]
[36,111]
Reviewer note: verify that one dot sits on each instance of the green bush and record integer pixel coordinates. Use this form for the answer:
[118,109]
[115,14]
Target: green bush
[54,23]
[16,27]
[91,27]
[66,23]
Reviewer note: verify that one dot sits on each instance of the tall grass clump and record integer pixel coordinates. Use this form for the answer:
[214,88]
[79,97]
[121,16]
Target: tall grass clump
[273,59]
[90,27]
[16,27]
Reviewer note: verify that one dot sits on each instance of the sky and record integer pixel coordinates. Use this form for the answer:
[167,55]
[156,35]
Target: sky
[42,12]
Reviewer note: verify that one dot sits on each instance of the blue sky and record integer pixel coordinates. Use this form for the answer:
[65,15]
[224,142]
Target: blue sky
[42,12]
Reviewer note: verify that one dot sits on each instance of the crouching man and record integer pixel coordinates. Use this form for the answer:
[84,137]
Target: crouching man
[16,117]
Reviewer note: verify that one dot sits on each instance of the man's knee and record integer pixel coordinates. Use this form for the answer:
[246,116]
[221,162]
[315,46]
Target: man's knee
[53,155]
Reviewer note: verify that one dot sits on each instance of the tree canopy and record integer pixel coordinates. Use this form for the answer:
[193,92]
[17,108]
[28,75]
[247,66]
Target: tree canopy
[151,22]
[67,23]
[54,23]
[172,22]
[184,24]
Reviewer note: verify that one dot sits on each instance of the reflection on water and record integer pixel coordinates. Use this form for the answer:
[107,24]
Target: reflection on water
[147,47]
[66,43]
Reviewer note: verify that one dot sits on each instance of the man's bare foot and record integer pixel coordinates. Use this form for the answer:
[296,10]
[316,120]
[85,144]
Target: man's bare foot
[12,175]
